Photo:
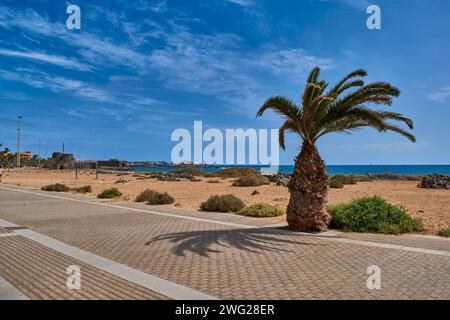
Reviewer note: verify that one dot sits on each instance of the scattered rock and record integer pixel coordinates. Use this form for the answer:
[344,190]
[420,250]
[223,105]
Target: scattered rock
[280,179]
[435,181]
[384,176]
[169,176]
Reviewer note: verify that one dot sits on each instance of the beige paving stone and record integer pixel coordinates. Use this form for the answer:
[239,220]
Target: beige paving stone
[40,273]
[234,263]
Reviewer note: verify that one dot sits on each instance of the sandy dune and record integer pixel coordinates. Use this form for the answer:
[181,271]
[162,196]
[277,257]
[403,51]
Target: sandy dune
[432,206]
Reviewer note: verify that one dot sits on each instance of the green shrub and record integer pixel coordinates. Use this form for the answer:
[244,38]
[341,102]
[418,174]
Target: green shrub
[194,171]
[339,180]
[154,197]
[251,180]
[57,187]
[234,172]
[444,233]
[372,214]
[225,203]
[362,178]
[261,210]
[84,189]
[336,183]
[109,193]
[144,196]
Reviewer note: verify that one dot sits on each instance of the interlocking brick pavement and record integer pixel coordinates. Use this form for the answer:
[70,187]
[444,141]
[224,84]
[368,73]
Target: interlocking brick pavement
[40,273]
[232,263]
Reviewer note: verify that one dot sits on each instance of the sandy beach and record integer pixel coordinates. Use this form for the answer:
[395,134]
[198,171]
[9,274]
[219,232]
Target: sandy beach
[432,206]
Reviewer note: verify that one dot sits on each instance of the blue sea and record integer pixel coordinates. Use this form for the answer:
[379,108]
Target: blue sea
[336,169]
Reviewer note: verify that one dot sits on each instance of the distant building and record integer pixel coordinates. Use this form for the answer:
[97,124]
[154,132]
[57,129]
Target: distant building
[113,163]
[26,155]
[60,161]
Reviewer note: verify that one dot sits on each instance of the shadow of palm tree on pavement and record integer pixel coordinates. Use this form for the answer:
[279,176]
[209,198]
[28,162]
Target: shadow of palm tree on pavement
[254,240]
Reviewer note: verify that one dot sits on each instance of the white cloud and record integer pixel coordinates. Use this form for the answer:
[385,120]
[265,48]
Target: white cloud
[215,64]
[47,58]
[242,2]
[441,95]
[359,4]
[80,89]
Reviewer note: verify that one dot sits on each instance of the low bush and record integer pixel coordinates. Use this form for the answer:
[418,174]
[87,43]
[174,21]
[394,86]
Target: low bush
[372,214]
[225,203]
[339,180]
[214,181]
[251,180]
[444,233]
[362,178]
[234,172]
[84,189]
[261,210]
[193,171]
[109,193]
[144,196]
[255,192]
[57,187]
[154,198]
[157,198]
[336,183]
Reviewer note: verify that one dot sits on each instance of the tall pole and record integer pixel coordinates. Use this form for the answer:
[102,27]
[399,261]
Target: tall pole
[18,141]
[39,159]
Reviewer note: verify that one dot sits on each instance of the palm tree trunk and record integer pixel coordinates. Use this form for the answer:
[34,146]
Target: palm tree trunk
[308,187]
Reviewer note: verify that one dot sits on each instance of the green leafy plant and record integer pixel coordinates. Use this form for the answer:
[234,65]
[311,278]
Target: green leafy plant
[336,183]
[261,210]
[194,171]
[109,193]
[154,198]
[234,172]
[324,109]
[57,187]
[444,233]
[372,214]
[345,179]
[251,180]
[84,189]
[224,203]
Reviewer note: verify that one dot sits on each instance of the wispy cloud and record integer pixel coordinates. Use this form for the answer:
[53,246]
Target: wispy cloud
[242,2]
[358,4]
[47,58]
[213,64]
[441,95]
[79,89]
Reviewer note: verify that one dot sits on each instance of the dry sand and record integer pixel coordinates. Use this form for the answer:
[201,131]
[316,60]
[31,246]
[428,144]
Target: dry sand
[432,206]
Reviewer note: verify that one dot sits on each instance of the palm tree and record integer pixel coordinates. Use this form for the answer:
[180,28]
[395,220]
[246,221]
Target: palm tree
[342,109]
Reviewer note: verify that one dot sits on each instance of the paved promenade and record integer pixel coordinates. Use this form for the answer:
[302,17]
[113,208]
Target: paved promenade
[134,251]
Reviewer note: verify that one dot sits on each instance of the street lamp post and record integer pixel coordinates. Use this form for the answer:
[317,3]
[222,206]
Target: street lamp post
[18,141]
[39,159]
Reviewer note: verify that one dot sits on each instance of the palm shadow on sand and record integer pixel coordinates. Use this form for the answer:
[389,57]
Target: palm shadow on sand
[256,240]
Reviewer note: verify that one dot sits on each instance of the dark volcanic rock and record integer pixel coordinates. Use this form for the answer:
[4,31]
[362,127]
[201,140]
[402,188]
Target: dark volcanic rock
[435,181]
[168,176]
[281,179]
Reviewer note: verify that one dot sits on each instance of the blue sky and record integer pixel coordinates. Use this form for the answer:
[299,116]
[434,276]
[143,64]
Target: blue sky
[137,70]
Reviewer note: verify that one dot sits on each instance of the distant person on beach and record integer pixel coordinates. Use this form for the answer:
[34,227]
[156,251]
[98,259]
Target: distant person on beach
[1,172]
